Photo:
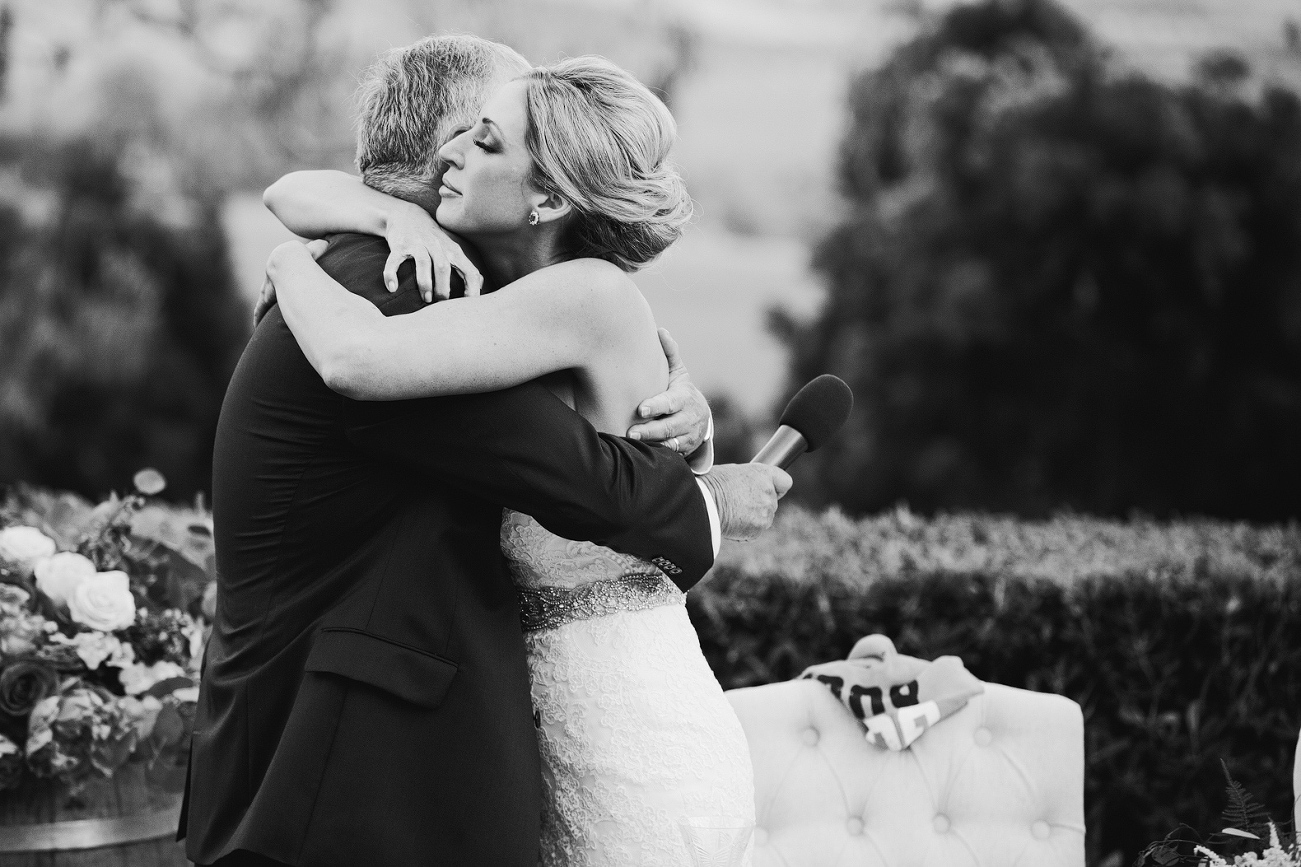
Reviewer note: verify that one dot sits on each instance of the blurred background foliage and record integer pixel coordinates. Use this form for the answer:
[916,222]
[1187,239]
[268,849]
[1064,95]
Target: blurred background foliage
[1060,271]
[1061,283]
[127,128]
[118,328]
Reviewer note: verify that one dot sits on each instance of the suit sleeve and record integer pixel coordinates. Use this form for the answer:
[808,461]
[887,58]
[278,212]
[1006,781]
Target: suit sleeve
[524,448]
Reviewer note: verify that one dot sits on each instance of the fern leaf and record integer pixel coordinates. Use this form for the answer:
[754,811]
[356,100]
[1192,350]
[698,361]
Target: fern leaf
[1243,812]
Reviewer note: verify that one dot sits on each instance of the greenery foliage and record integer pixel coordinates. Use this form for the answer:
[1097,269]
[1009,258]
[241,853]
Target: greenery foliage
[806,546]
[1243,812]
[119,322]
[1060,283]
[1246,828]
[1181,642]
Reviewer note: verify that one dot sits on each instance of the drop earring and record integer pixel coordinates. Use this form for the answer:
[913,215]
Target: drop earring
[533,218]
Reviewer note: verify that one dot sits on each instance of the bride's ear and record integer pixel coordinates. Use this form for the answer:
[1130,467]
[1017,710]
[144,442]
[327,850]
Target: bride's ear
[550,207]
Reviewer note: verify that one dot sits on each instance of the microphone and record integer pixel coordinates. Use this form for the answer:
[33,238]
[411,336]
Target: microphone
[815,413]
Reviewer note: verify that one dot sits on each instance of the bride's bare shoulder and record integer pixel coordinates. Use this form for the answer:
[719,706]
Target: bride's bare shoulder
[592,275]
[601,291]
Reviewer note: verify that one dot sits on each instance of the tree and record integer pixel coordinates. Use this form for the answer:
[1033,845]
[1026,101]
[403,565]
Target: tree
[118,328]
[1060,284]
[119,320]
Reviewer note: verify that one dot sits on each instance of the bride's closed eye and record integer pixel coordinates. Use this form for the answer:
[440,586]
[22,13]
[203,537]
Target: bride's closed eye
[486,136]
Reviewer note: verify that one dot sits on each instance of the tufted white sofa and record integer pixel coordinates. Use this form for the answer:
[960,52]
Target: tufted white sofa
[998,784]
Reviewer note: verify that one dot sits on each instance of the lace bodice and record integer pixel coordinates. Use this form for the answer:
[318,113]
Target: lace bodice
[540,558]
[634,732]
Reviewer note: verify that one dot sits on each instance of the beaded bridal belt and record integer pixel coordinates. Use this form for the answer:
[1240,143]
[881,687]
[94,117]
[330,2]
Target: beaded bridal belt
[549,607]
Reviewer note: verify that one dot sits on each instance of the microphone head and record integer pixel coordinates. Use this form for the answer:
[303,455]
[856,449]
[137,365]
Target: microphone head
[819,409]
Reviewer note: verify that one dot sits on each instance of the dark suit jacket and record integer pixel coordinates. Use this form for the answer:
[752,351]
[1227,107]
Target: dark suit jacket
[365,698]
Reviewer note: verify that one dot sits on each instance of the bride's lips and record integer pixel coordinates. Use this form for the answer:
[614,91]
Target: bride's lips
[448,190]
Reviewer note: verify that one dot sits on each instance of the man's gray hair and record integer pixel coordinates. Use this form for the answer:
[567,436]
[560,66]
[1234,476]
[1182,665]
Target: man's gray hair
[412,99]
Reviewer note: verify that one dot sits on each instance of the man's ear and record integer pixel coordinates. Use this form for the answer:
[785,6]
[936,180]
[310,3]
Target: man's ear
[551,207]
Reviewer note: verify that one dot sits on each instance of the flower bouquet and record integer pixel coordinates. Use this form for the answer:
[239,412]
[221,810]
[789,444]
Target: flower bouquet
[1249,837]
[101,634]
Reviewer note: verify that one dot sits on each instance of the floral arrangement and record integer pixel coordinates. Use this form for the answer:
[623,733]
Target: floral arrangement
[101,633]
[1274,856]
[1248,829]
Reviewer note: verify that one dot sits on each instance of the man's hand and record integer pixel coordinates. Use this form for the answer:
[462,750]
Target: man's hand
[746,496]
[412,234]
[679,415]
[267,296]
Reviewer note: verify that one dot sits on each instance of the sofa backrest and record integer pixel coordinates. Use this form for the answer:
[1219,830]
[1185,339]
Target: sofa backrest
[998,784]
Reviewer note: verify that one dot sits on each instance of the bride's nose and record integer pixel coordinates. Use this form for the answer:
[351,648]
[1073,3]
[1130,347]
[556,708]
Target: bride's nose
[451,152]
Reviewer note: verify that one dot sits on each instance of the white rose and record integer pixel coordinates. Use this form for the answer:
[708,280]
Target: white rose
[13,600]
[24,546]
[139,678]
[104,602]
[186,693]
[197,636]
[58,576]
[40,722]
[96,648]
[210,601]
[148,714]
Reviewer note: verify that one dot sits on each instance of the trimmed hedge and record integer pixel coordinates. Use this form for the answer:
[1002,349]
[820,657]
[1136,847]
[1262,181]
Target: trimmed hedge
[807,546]
[1181,642]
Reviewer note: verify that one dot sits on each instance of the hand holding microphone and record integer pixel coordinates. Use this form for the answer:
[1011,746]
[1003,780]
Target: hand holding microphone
[746,496]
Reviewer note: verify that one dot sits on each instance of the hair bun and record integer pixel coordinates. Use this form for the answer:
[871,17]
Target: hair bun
[601,140]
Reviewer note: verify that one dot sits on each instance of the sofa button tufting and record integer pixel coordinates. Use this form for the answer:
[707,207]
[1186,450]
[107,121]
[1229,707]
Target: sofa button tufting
[810,737]
[984,737]
[1040,830]
[854,826]
[941,824]
[760,837]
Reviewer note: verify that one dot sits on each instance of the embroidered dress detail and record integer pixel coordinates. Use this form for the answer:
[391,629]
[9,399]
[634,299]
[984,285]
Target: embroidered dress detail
[548,607]
[634,732]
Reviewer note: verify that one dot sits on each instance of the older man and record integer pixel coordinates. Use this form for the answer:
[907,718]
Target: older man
[365,697]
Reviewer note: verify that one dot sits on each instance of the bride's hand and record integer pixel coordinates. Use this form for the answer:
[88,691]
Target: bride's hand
[412,234]
[679,416]
[267,297]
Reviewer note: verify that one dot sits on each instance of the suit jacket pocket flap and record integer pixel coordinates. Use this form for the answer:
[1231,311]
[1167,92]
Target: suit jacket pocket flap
[410,674]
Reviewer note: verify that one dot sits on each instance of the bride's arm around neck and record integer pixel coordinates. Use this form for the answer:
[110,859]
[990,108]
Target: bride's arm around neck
[576,315]
[316,203]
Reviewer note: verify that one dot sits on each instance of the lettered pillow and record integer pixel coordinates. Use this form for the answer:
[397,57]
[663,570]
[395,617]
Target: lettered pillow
[896,698]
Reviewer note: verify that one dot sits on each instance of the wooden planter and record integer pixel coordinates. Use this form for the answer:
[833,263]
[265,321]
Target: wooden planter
[122,822]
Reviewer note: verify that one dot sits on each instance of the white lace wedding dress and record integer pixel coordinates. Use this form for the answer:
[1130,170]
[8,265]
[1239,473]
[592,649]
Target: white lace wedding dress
[635,733]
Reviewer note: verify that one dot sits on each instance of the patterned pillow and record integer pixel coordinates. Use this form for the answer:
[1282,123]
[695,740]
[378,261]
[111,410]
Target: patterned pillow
[896,698]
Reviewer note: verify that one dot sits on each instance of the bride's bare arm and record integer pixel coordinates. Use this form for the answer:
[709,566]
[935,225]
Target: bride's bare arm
[567,316]
[313,204]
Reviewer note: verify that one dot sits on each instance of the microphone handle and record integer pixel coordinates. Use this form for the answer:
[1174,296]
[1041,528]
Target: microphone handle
[783,448]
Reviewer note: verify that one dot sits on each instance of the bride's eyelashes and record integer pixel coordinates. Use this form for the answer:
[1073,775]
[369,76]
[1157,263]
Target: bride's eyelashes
[485,146]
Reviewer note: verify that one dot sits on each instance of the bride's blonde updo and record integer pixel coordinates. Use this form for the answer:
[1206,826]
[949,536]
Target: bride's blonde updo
[600,140]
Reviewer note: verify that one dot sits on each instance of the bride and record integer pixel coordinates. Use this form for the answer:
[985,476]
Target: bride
[562,187]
